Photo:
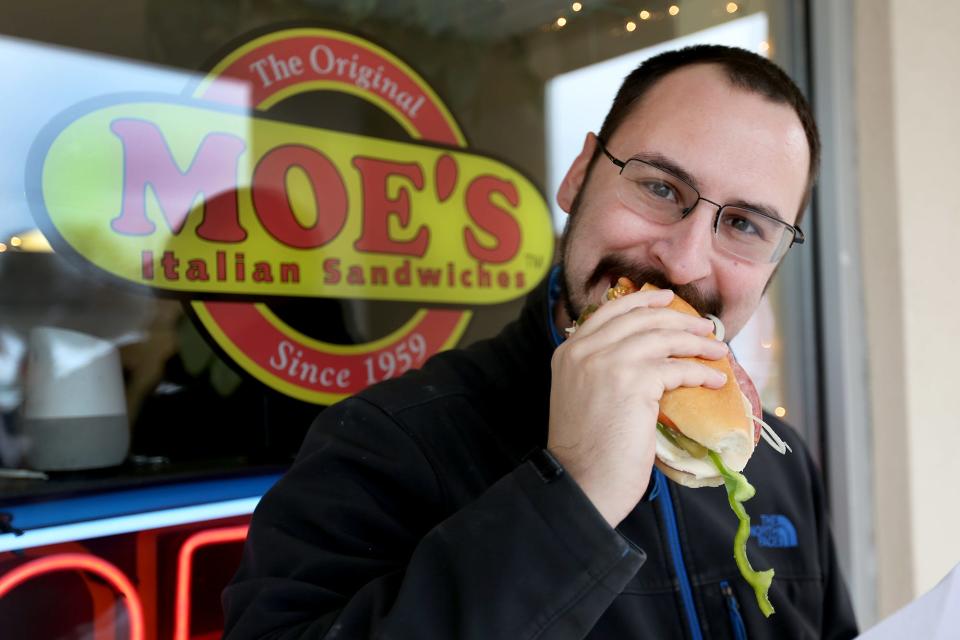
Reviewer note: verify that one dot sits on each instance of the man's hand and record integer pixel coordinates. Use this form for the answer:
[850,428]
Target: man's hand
[608,379]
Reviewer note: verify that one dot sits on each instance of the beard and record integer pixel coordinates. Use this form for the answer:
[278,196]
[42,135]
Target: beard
[617,265]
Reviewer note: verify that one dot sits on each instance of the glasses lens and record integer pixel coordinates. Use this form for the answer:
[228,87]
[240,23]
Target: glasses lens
[752,235]
[654,193]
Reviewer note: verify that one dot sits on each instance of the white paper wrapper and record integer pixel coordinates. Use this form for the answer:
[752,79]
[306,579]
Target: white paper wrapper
[933,616]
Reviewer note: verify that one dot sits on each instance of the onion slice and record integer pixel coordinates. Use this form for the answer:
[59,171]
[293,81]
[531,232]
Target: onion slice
[768,434]
[718,329]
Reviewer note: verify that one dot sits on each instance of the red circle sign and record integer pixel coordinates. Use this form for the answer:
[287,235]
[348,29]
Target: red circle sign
[258,75]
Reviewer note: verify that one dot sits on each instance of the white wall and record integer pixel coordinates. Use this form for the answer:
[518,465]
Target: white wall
[908,129]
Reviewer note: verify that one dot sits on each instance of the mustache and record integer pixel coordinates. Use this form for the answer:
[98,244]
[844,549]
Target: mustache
[614,266]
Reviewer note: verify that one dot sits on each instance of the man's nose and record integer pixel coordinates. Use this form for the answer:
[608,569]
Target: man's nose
[685,250]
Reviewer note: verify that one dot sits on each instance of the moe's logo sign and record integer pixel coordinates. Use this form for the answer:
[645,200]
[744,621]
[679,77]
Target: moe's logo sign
[204,195]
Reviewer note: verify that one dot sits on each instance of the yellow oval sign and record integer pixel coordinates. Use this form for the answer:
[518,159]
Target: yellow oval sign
[188,197]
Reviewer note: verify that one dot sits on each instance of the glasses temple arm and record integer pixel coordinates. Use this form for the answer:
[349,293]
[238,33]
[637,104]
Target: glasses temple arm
[798,236]
[616,161]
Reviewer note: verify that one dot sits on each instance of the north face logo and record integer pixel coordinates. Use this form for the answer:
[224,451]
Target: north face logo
[774,531]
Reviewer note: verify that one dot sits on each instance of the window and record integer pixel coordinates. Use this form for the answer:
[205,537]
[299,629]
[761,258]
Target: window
[116,370]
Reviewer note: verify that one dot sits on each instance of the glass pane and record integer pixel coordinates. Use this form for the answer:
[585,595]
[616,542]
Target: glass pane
[219,217]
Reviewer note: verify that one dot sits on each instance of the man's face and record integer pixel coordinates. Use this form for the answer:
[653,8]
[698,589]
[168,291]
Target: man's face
[738,147]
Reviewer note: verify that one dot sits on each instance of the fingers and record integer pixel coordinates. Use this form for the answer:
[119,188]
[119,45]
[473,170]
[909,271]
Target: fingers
[607,352]
[652,349]
[644,299]
[666,343]
[646,364]
[653,364]
[640,320]
[689,373]
[639,312]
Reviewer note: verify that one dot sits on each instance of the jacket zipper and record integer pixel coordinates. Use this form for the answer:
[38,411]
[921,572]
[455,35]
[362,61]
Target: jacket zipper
[673,537]
[733,608]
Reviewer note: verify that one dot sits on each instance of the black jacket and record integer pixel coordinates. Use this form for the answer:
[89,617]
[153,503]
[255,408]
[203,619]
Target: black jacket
[410,513]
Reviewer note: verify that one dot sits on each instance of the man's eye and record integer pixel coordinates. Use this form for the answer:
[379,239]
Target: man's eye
[660,190]
[743,225]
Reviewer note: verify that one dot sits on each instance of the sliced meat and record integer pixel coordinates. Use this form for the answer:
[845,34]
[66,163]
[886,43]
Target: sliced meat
[749,390]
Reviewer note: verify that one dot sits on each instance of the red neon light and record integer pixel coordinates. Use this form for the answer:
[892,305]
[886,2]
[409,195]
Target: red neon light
[185,567]
[82,562]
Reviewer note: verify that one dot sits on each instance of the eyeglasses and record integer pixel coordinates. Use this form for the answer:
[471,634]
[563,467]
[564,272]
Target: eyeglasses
[663,197]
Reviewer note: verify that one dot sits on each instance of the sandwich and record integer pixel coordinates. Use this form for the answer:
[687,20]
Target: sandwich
[705,437]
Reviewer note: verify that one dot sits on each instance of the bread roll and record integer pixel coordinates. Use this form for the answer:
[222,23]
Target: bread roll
[719,419]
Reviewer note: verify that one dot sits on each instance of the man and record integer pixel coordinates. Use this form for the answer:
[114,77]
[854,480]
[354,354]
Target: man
[416,509]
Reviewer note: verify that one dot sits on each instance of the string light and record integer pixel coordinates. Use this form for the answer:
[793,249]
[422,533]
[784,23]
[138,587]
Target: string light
[780,412]
[764,47]
[32,241]
[766,344]
[576,6]
[732,7]
[644,15]
[673,10]
[631,26]
[3,247]
[561,22]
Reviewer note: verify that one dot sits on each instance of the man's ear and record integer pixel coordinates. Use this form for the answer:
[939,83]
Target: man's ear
[573,181]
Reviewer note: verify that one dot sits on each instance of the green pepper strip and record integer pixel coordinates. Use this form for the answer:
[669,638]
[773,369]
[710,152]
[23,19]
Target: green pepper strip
[739,490]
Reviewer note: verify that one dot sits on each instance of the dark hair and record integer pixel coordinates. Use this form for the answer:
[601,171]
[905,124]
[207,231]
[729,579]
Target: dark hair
[744,69]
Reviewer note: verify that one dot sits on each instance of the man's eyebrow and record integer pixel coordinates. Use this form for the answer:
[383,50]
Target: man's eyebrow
[662,162]
[762,208]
